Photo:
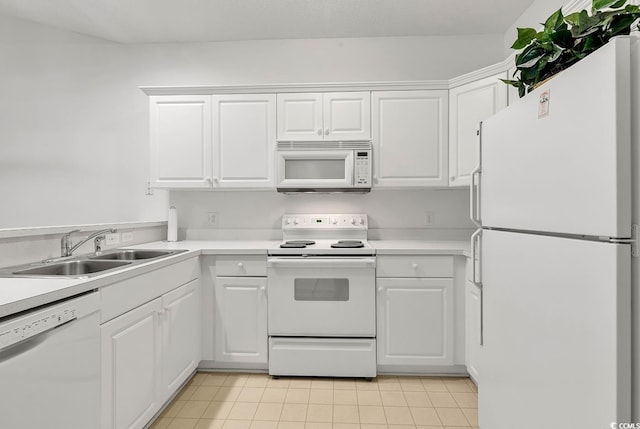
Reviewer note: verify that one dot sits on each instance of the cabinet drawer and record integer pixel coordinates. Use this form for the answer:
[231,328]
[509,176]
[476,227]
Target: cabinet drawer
[414,266]
[126,295]
[322,357]
[241,266]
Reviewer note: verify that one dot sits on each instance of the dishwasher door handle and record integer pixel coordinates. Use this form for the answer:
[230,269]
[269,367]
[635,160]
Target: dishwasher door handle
[13,346]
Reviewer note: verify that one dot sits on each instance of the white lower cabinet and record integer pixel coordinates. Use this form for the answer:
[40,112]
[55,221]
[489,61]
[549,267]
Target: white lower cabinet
[415,321]
[241,321]
[473,324]
[472,329]
[131,372]
[148,350]
[181,345]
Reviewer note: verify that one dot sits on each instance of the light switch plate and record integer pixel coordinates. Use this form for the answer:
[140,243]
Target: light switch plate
[127,236]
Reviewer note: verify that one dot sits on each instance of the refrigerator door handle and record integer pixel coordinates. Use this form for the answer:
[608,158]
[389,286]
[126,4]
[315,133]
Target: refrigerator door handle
[474,206]
[476,268]
[475,257]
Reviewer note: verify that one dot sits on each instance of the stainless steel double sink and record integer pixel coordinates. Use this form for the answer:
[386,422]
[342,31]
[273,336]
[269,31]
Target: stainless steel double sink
[86,266]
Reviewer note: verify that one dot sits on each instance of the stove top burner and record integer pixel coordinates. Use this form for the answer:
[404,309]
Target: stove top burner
[297,244]
[348,244]
[293,245]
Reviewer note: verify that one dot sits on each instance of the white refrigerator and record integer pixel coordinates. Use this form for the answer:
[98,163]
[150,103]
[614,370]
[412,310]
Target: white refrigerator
[552,257]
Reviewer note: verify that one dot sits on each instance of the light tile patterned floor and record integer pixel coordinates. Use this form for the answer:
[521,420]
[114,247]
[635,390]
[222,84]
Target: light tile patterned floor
[257,401]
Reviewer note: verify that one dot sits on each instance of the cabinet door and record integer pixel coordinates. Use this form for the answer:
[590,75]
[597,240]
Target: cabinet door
[300,116]
[415,321]
[472,328]
[469,104]
[180,136]
[410,138]
[347,116]
[241,320]
[244,139]
[180,336]
[131,392]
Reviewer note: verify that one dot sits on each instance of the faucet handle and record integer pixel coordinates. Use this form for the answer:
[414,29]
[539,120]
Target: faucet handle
[97,243]
[65,243]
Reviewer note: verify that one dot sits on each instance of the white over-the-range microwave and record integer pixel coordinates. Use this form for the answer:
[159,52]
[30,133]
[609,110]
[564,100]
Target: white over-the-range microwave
[323,166]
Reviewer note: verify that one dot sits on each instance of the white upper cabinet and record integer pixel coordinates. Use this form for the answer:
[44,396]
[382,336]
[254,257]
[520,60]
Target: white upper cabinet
[180,134]
[220,141]
[410,138]
[324,116]
[244,137]
[470,104]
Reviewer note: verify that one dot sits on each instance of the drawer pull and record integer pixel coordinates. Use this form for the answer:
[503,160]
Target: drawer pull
[414,266]
[240,265]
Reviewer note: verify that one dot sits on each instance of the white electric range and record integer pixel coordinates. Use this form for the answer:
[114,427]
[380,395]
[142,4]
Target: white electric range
[322,299]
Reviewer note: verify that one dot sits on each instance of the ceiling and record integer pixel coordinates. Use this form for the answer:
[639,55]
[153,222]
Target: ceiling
[161,21]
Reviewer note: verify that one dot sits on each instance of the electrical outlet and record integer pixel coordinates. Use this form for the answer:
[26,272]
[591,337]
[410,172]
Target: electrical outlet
[148,189]
[212,218]
[127,236]
[429,218]
[113,239]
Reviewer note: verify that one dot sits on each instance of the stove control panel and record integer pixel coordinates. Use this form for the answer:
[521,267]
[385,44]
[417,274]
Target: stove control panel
[324,221]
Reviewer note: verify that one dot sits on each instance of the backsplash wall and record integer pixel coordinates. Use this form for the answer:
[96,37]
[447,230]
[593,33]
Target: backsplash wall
[386,209]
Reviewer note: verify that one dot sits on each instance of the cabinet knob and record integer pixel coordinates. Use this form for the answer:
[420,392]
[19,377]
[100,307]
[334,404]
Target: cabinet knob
[326,132]
[240,265]
[263,288]
[453,178]
[319,132]
[216,180]
[209,179]
[379,289]
[414,265]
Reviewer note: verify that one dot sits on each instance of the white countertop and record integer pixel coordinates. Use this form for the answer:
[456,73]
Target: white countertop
[20,294]
[425,247]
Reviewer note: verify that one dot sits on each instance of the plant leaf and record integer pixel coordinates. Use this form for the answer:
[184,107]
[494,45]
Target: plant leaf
[515,83]
[621,24]
[601,4]
[563,38]
[530,56]
[556,54]
[553,22]
[525,36]
[573,19]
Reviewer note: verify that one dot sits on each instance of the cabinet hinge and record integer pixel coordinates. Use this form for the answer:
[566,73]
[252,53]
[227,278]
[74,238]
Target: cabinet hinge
[633,241]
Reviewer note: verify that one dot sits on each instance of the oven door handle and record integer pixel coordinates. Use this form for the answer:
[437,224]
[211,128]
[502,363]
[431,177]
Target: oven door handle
[306,262]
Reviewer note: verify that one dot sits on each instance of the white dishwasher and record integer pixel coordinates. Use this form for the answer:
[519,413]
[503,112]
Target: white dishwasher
[50,366]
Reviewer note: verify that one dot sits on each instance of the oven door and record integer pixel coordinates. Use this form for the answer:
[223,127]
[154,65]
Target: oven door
[314,169]
[322,296]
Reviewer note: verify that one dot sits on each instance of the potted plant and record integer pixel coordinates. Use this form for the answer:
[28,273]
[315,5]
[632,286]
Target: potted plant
[565,40]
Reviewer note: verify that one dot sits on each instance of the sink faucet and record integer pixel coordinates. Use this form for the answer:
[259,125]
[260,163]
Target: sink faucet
[66,249]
